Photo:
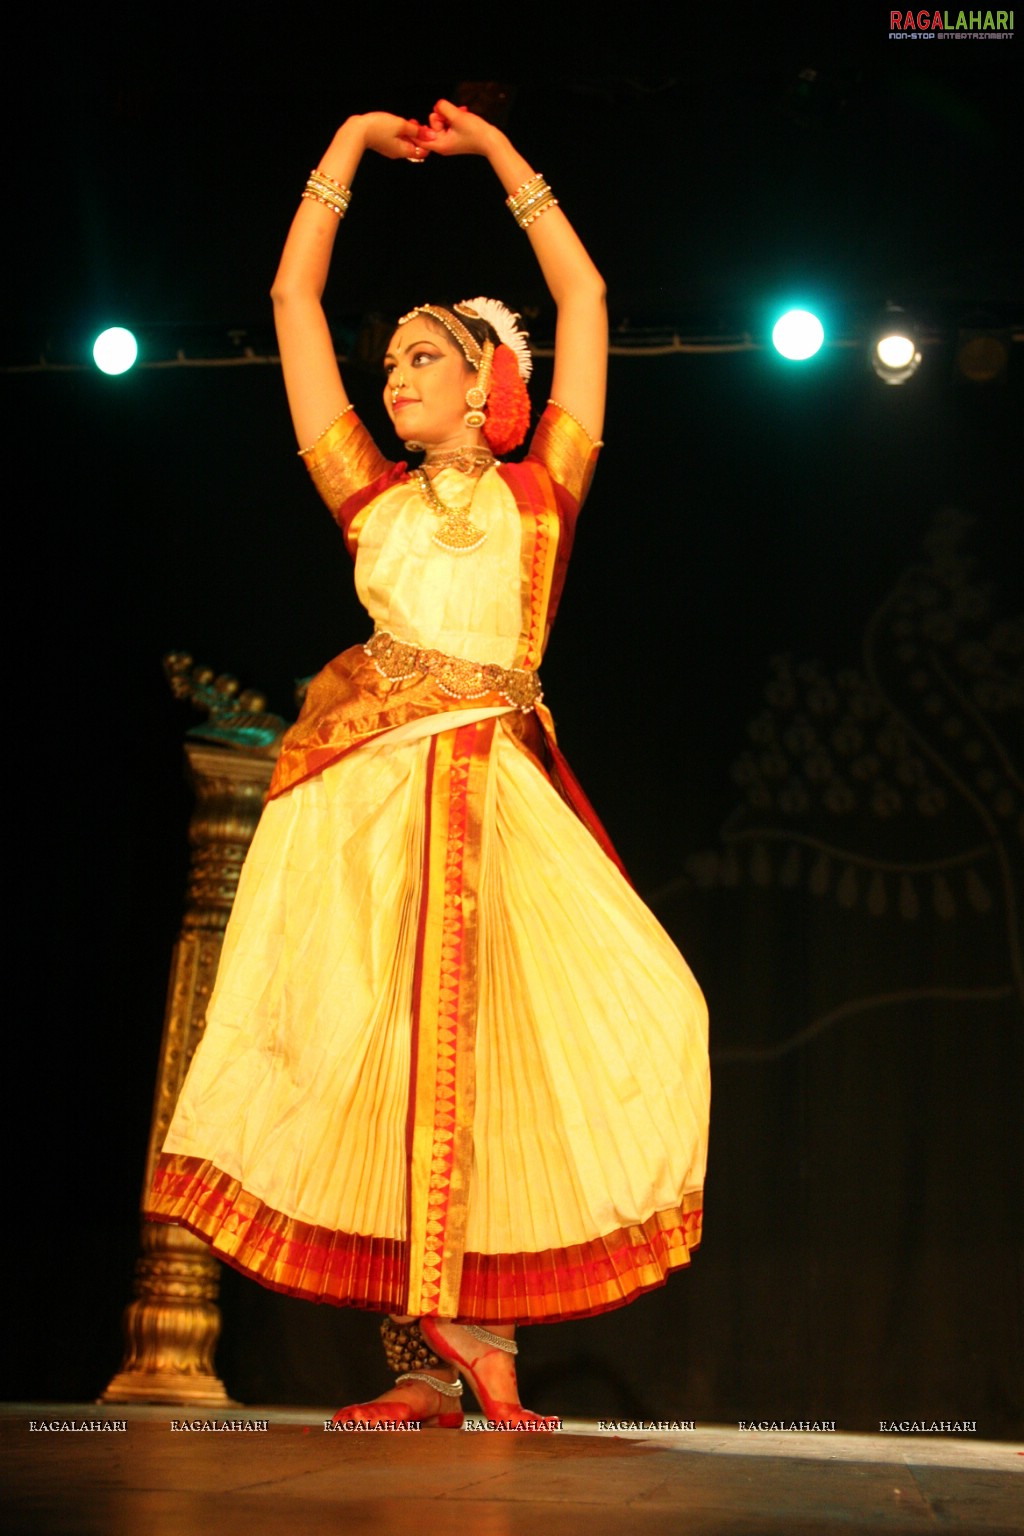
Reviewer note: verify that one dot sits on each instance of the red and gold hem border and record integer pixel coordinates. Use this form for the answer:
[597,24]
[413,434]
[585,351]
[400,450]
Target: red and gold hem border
[348,1269]
[443,1079]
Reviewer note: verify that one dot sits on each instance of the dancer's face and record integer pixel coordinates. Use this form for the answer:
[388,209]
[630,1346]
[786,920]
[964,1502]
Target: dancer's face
[425,383]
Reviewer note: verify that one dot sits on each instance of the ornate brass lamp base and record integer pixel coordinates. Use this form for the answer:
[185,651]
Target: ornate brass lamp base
[172,1326]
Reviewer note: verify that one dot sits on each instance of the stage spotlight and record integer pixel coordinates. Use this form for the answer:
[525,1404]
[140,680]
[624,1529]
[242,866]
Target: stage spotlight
[894,351]
[798,335]
[115,350]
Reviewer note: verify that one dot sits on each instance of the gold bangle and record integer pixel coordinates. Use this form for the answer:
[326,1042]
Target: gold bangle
[328,192]
[543,207]
[329,187]
[340,185]
[530,200]
[523,191]
[337,209]
[539,195]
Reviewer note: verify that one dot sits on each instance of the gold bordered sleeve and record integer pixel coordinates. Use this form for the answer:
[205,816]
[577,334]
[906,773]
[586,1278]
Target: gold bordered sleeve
[344,464]
[567,452]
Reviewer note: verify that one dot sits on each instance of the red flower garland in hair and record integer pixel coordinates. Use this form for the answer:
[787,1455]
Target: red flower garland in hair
[508,404]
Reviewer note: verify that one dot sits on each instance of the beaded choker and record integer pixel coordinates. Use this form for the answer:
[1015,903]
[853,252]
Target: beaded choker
[467,459]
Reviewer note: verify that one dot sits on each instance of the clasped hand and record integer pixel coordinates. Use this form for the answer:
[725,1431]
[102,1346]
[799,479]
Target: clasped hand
[449,130]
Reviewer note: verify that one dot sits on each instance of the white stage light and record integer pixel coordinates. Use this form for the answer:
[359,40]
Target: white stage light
[798,335]
[894,353]
[115,350]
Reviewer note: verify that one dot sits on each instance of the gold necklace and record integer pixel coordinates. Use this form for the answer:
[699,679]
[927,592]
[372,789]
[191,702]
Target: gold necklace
[457,533]
[469,459]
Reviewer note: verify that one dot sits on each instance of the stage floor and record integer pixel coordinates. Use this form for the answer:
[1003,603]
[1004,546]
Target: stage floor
[293,1477]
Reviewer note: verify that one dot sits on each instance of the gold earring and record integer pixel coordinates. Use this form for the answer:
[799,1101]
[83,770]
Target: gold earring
[476,394]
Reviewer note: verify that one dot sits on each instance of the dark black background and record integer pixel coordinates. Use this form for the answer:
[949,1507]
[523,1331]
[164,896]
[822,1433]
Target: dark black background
[863,1214]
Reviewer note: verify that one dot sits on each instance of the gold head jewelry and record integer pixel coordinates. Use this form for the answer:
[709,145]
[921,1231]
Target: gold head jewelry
[470,348]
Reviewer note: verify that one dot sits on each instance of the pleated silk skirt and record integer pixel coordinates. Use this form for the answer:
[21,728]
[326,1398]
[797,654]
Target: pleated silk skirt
[452,1064]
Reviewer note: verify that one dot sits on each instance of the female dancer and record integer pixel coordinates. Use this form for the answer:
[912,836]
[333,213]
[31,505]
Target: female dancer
[453,1069]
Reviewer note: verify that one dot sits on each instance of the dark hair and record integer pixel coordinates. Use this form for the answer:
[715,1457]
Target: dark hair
[480,330]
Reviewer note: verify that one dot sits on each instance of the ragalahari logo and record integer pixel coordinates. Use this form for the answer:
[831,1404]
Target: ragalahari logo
[951,26]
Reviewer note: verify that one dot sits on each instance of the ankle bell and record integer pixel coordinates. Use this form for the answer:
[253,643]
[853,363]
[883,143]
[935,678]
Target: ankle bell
[405,1348]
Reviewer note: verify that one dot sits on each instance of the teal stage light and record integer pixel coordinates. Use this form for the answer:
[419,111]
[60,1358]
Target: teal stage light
[115,350]
[798,335]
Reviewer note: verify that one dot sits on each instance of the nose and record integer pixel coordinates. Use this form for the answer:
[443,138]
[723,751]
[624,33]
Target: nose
[396,384]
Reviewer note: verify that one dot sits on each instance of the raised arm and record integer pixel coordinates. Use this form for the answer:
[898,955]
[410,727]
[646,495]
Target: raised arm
[581,332]
[316,394]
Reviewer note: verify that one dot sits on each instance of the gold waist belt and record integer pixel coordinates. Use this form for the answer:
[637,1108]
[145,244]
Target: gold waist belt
[457,678]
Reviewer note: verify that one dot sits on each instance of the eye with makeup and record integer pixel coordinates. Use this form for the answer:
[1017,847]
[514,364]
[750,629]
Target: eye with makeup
[418,359]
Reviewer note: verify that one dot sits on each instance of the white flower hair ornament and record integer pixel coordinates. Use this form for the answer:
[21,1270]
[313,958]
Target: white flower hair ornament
[503,321]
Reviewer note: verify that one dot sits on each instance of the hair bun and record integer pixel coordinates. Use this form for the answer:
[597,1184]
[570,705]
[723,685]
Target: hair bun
[503,322]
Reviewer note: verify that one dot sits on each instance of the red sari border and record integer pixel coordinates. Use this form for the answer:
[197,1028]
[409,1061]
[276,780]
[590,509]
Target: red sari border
[349,1269]
[442,1092]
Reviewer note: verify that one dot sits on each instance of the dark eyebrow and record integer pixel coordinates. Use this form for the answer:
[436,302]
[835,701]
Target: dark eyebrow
[434,341]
